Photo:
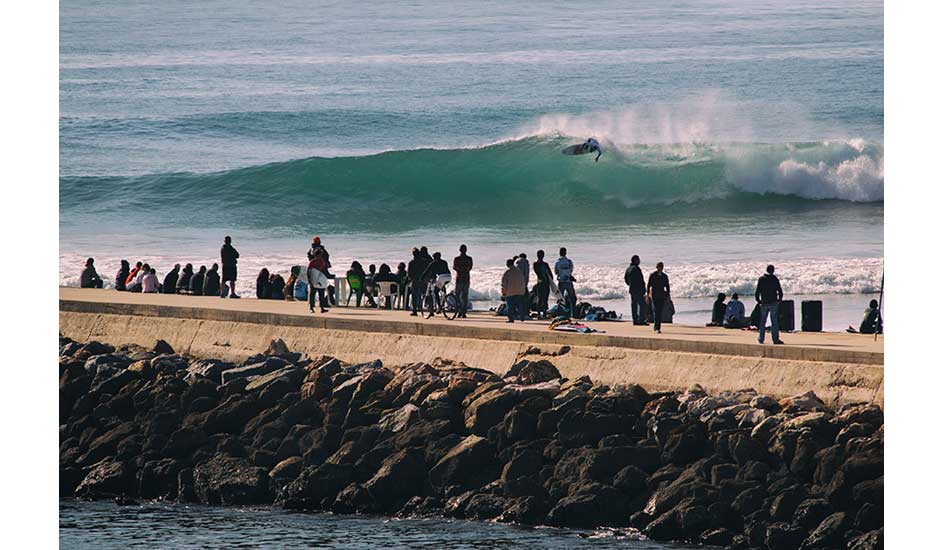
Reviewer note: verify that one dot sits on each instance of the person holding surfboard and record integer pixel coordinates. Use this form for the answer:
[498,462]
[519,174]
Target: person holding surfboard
[591,145]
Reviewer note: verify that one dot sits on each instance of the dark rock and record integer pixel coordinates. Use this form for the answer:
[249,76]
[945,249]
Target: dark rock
[873,540]
[315,484]
[484,506]
[489,409]
[228,480]
[106,479]
[578,428]
[749,501]
[590,505]
[106,444]
[524,463]
[812,512]
[828,534]
[402,475]
[722,472]
[462,462]
[685,444]
[285,471]
[630,479]
[538,371]
[162,347]
[782,536]
[256,369]
[784,505]
[870,491]
[717,537]
[754,471]
[665,527]
[528,510]
[159,479]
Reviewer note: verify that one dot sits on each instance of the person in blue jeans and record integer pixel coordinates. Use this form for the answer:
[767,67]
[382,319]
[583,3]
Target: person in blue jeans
[638,290]
[768,294]
[512,290]
[658,289]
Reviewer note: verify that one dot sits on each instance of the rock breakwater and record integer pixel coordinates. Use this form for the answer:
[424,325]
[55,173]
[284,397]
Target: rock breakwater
[737,469]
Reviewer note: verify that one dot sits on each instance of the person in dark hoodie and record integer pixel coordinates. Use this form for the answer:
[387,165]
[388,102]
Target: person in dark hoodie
[170,283]
[229,258]
[277,285]
[417,265]
[212,285]
[184,279]
[658,290]
[718,311]
[121,275]
[403,278]
[638,291]
[197,284]
[89,277]
[263,284]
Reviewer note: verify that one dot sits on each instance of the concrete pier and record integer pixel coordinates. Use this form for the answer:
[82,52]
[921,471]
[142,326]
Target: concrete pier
[839,367]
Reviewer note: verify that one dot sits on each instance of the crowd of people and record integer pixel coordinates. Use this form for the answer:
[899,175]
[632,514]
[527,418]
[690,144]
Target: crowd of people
[650,296]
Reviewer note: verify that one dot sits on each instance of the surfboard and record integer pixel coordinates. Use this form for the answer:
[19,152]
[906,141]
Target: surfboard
[575,150]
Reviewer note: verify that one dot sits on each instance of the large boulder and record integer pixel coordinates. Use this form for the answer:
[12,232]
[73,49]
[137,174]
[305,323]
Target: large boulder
[489,409]
[590,505]
[229,480]
[829,534]
[538,371]
[463,462]
[106,479]
[400,476]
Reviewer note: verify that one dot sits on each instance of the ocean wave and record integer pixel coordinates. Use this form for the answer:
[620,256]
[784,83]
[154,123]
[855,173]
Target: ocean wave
[517,180]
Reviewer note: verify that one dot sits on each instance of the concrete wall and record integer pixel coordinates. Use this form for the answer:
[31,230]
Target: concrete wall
[215,334]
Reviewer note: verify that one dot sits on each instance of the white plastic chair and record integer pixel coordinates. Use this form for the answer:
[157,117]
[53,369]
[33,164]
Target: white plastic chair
[387,289]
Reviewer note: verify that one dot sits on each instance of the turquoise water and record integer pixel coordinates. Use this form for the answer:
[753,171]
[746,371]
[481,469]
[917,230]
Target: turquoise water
[736,134]
[105,526]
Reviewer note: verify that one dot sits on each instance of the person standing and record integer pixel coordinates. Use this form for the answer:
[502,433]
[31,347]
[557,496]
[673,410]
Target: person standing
[768,294]
[417,265]
[462,264]
[316,280]
[658,288]
[638,289]
[512,290]
[89,277]
[564,269]
[229,258]
[545,282]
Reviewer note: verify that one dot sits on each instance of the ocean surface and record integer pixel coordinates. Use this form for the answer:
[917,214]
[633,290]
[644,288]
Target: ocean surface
[106,526]
[736,134]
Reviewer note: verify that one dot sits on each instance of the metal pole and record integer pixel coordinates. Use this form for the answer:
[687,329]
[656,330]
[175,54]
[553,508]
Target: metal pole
[880,309]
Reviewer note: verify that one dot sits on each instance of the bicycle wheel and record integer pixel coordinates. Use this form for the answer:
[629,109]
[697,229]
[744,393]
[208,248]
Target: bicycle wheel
[450,305]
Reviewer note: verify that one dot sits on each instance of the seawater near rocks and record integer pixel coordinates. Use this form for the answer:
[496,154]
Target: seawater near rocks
[736,469]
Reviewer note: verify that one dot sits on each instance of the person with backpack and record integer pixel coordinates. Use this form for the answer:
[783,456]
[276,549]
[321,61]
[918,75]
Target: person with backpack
[317,280]
[768,294]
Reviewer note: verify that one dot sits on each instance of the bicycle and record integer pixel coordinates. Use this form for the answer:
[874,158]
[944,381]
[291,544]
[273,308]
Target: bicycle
[439,299]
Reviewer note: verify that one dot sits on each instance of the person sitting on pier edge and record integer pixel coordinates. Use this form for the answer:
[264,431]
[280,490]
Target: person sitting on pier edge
[386,275]
[150,284]
[184,279]
[735,313]
[276,287]
[718,311]
[871,321]
[212,282]
[263,284]
[122,274]
[197,284]
[356,272]
[291,283]
[89,277]
[171,280]
[136,284]
[403,278]
[130,278]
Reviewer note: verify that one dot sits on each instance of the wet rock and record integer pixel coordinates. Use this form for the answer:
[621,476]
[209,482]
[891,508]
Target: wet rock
[590,505]
[228,480]
[873,540]
[462,462]
[401,476]
[782,536]
[106,479]
[828,534]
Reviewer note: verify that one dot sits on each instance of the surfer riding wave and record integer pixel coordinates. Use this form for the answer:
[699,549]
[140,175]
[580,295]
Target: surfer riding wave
[589,146]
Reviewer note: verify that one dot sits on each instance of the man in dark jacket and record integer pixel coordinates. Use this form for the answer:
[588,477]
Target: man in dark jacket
[417,265]
[542,270]
[768,294]
[184,279]
[89,277]
[462,264]
[171,280]
[658,288]
[229,258]
[638,290]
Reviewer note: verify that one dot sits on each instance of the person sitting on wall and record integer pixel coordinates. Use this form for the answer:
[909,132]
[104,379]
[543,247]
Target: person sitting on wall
[89,277]
[871,324]
[735,313]
[718,311]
